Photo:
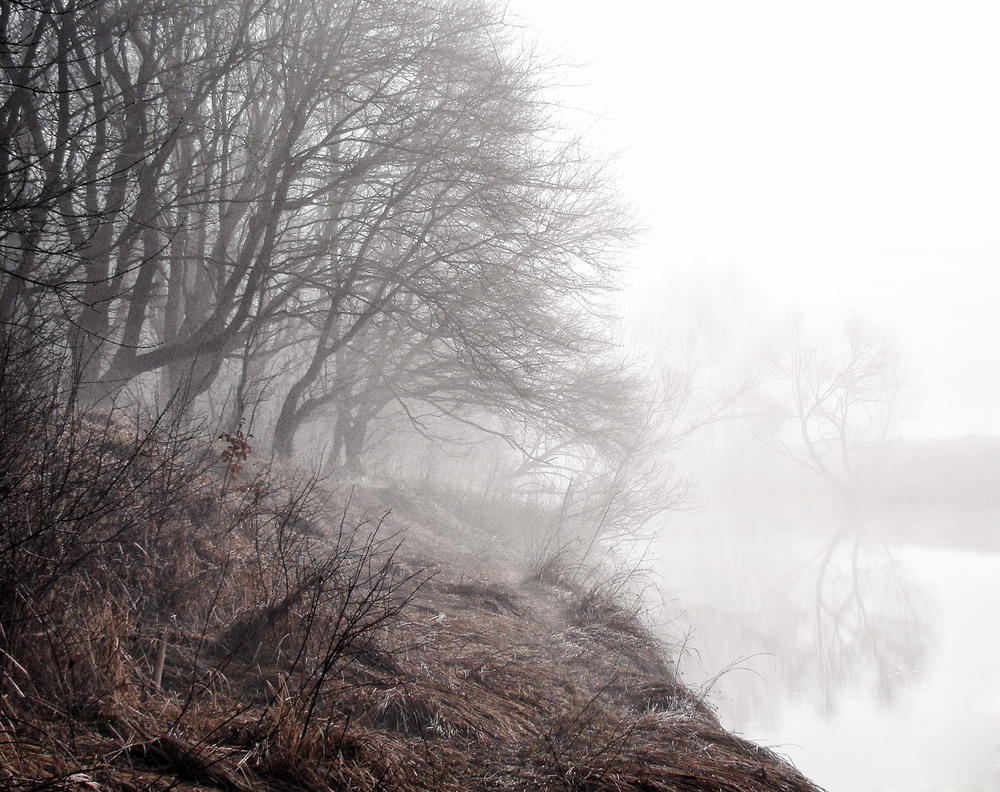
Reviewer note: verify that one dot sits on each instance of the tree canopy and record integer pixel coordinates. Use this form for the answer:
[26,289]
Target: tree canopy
[337,211]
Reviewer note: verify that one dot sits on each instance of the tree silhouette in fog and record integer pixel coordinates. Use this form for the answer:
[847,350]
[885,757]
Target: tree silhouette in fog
[328,213]
[831,402]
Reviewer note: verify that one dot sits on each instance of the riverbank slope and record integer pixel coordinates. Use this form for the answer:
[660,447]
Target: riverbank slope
[176,621]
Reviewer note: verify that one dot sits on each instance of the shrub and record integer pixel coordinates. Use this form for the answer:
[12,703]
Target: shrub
[138,560]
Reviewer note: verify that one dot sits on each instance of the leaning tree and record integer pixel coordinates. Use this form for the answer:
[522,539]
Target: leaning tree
[340,211]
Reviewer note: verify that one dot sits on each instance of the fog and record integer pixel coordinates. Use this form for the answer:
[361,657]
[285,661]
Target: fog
[823,162]
[832,159]
[756,343]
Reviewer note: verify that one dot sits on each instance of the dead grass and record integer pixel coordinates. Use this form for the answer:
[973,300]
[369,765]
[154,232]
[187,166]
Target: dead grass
[164,625]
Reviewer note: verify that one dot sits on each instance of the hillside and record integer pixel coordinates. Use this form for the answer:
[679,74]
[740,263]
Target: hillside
[174,619]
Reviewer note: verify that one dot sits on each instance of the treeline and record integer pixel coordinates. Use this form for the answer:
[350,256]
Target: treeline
[334,214]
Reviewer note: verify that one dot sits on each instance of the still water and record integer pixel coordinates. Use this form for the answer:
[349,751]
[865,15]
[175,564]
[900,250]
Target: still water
[873,666]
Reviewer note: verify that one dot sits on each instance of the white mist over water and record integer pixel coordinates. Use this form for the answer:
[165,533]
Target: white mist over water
[934,725]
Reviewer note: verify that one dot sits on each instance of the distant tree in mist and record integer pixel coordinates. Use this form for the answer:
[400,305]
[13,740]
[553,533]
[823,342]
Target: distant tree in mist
[337,212]
[831,402]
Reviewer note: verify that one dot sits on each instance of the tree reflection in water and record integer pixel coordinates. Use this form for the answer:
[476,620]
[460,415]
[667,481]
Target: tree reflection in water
[865,619]
[778,620]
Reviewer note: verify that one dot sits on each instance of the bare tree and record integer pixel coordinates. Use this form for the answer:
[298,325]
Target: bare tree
[831,402]
[478,241]
[368,210]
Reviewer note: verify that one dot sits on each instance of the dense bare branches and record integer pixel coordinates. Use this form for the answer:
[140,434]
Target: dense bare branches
[355,207]
[830,401]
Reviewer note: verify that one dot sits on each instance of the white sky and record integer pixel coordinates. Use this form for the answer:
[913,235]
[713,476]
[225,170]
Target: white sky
[840,156]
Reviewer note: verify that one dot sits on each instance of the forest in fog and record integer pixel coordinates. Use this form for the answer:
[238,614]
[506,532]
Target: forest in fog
[370,232]
[359,427]
[337,226]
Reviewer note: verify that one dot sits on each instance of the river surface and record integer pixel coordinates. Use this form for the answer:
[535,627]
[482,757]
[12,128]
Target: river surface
[872,666]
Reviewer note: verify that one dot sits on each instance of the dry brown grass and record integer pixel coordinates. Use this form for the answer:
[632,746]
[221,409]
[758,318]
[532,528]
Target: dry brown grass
[303,648]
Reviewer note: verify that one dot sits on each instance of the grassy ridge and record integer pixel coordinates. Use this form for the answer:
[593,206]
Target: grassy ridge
[170,619]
